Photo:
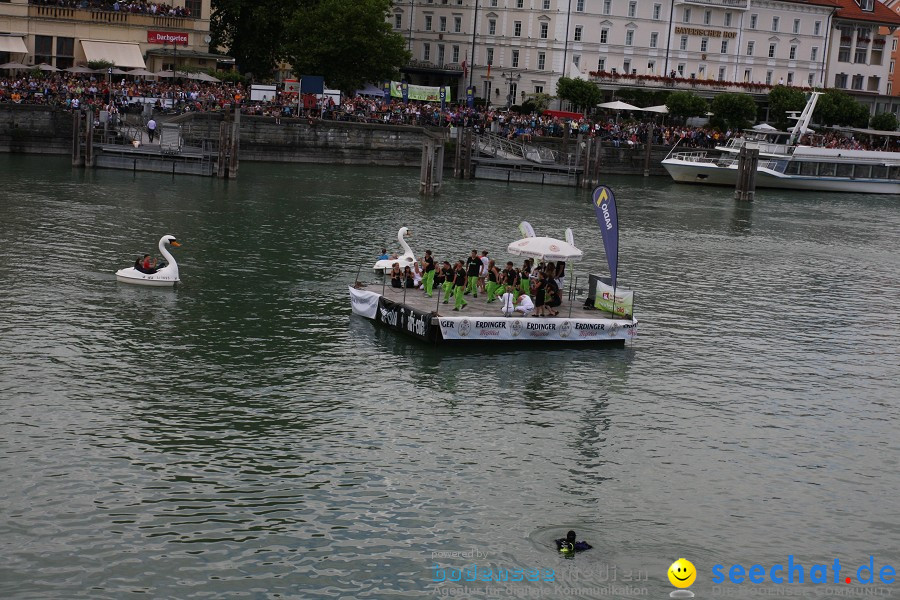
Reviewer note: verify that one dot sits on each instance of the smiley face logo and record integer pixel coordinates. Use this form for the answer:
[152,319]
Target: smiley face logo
[682,573]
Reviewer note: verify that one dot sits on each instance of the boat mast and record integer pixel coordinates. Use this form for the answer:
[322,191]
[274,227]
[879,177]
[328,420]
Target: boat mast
[804,118]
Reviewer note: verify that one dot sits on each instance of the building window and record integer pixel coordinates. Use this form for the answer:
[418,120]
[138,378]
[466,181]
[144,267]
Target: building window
[515,58]
[517,29]
[607,7]
[629,37]
[793,53]
[894,45]
[398,21]
[546,7]
[796,25]
[890,88]
[707,17]
[790,79]
[579,6]
[891,68]
[728,19]
[768,77]
[651,67]
[440,54]
[43,49]
[520,3]
[753,19]
[545,28]
[428,22]
[683,44]
[701,71]
[817,27]
[724,46]
[704,44]
[490,56]
[65,52]
[492,27]
[578,31]
[494,3]
[809,80]
[604,36]
[426,52]
[542,59]
[654,39]
[443,23]
[657,9]
[721,73]
[457,24]
[455,54]
[601,64]
[680,69]
[775,23]
[867,5]
[772,50]
[814,54]
[750,45]
[632,9]
[857,82]
[840,81]
[748,75]
[686,17]
[576,60]
[626,67]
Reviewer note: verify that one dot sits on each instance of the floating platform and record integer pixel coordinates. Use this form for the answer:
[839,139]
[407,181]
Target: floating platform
[411,312]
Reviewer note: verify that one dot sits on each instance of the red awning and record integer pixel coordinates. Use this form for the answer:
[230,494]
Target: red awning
[563,114]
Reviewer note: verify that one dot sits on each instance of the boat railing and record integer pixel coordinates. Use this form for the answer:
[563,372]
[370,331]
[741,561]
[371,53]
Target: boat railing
[693,157]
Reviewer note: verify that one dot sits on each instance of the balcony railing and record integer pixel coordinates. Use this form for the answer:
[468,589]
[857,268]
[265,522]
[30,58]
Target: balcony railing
[738,4]
[112,17]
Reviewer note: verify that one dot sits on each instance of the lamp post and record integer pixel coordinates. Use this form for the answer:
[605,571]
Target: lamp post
[511,78]
[174,57]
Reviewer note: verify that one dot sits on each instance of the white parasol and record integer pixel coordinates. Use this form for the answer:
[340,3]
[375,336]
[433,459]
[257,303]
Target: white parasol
[657,109]
[545,248]
[618,105]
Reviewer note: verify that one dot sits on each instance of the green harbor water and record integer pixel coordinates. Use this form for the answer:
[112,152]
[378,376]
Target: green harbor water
[244,436]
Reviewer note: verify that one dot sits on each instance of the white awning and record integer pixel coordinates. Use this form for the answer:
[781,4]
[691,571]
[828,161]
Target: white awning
[13,43]
[121,54]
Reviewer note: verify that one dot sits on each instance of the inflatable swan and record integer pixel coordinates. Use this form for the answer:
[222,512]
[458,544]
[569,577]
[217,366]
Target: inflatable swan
[166,276]
[406,259]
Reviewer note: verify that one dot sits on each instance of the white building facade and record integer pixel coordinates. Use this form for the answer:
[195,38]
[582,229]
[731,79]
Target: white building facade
[720,44]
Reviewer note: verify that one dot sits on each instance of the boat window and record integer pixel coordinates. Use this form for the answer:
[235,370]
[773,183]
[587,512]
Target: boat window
[827,169]
[879,172]
[862,172]
[895,172]
[793,168]
[808,168]
[844,170]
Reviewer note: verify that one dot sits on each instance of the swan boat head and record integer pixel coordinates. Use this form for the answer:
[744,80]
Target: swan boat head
[405,260]
[166,276]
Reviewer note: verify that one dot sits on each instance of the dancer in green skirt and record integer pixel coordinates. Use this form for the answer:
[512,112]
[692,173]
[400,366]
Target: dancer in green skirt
[428,278]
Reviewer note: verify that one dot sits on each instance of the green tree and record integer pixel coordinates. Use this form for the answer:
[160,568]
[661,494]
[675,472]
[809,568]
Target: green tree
[350,43]
[686,104]
[885,122]
[583,94]
[101,64]
[781,100]
[252,31]
[538,102]
[733,111]
[835,107]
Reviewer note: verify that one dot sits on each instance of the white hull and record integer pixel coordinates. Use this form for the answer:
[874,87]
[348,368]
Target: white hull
[132,275]
[712,174]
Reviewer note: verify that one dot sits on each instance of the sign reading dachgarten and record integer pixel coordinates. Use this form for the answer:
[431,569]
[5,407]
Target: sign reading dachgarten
[162,37]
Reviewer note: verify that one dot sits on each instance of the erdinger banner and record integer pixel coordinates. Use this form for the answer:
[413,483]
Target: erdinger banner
[403,318]
[566,330]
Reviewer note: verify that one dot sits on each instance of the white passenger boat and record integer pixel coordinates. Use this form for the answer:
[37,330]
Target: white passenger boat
[786,164]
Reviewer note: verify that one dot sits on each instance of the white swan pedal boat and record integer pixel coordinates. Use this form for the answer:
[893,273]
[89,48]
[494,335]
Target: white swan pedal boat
[406,259]
[166,276]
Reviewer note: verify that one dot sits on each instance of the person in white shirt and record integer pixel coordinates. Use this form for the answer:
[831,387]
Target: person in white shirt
[524,305]
[508,302]
[484,271]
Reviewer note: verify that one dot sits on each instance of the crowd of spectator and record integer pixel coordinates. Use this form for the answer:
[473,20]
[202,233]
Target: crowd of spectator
[168,96]
[135,6]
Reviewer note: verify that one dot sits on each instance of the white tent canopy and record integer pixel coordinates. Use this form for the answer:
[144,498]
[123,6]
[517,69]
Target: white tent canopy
[657,109]
[545,248]
[764,127]
[121,54]
[618,105]
[14,65]
[13,43]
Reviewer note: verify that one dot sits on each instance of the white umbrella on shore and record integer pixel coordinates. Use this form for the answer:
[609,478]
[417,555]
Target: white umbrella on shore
[82,70]
[141,73]
[14,65]
[46,67]
[657,109]
[618,105]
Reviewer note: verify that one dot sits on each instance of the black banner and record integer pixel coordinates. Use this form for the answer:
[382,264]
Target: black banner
[408,320]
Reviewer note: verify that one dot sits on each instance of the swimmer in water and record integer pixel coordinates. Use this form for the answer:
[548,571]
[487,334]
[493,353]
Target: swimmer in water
[568,545]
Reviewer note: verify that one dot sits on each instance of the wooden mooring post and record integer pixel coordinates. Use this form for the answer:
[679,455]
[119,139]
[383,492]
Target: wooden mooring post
[432,171]
[649,151]
[77,157]
[745,188]
[235,143]
[89,138]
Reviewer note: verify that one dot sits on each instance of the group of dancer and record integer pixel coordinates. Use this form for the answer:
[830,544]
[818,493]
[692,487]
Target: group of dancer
[530,290]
